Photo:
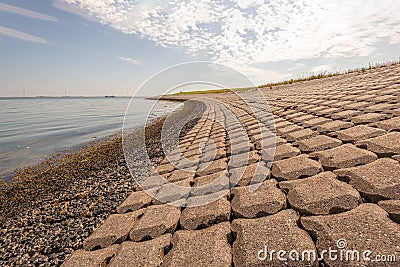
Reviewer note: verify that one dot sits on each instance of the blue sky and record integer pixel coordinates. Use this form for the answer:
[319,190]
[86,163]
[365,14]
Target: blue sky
[90,47]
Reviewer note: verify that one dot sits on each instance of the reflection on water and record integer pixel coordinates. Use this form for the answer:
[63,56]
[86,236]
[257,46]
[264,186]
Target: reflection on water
[32,129]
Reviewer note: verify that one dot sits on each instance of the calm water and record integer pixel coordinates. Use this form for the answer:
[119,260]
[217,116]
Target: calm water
[32,129]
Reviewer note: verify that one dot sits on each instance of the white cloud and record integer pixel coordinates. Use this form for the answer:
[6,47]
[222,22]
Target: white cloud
[129,60]
[64,6]
[21,35]
[244,33]
[321,68]
[25,12]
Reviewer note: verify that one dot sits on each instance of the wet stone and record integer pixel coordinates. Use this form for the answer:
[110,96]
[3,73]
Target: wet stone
[385,145]
[392,207]
[321,195]
[358,133]
[147,253]
[294,168]
[203,216]
[375,181]
[344,156]
[366,227]
[91,258]
[256,238]
[318,143]
[206,247]
[156,221]
[114,229]
[258,200]
[135,201]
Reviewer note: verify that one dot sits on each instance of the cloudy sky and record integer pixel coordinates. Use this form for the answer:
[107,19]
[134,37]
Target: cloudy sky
[91,47]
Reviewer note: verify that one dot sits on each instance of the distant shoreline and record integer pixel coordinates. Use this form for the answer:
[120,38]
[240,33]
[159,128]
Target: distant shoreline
[65,97]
